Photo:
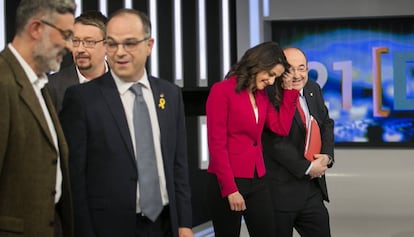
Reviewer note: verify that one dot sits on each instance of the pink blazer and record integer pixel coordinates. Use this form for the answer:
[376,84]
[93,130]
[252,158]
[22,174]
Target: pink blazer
[234,137]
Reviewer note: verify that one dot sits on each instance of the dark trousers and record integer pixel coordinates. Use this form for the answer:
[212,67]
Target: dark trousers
[160,228]
[258,215]
[57,225]
[310,221]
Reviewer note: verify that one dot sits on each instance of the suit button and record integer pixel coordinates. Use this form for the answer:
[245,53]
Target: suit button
[53,192]
[254,143]
[54,162]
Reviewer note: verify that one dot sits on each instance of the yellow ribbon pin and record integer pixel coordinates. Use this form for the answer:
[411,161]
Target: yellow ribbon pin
[161,103]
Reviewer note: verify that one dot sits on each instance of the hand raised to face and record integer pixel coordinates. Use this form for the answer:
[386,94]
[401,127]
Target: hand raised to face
[287,80]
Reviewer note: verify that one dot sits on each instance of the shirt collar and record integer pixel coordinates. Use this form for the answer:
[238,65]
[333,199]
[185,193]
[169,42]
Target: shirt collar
[33,78]
[83,79]
[124,86]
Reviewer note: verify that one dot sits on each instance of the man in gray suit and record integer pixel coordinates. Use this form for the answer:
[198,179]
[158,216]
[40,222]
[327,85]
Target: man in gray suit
[35,197]
[88,55]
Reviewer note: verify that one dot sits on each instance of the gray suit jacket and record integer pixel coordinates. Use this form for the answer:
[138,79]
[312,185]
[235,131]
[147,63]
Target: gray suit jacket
[28,159]
[59,82]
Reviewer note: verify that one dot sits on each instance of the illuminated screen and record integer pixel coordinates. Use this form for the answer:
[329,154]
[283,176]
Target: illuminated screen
[366,70]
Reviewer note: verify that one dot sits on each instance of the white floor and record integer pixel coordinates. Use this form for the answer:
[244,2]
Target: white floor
[371,194]
[373,227]
[206,230]
[347,227]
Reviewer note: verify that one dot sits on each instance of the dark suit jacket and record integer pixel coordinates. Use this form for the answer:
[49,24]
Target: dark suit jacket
[28,159]
[59,82]
[284,157]
[102,160]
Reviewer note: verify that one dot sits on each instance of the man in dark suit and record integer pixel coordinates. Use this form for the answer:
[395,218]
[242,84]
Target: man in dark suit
[99,124]
[88,55]
[298,185]
[35,197]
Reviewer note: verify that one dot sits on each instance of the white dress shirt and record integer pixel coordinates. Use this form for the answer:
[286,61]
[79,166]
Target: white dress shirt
[128,97]
[83,79]
[304,106]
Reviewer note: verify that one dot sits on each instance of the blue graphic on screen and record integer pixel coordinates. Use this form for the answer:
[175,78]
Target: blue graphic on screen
[367,77]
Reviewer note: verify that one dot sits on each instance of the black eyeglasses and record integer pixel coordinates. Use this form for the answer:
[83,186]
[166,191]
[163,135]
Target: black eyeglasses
[86,43]
[66,34]
[129,45]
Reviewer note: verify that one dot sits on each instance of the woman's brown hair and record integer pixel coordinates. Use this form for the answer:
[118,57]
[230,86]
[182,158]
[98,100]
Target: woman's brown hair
[262,57]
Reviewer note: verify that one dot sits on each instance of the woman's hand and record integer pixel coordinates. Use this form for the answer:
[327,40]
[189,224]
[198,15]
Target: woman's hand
[287,80]
[236,202]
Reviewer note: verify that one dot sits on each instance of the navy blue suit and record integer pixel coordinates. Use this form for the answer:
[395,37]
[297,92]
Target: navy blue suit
[102,161]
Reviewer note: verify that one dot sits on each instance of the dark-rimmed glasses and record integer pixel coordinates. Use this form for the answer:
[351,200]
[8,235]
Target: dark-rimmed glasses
[66,34]
[86,43]
[129,45]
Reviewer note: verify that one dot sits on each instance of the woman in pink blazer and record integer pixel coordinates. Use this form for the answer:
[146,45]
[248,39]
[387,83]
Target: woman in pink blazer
[237,110]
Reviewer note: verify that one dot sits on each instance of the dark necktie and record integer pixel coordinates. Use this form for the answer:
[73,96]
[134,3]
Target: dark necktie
[149,184]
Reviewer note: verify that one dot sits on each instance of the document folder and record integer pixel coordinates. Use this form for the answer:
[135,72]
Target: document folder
[313,140]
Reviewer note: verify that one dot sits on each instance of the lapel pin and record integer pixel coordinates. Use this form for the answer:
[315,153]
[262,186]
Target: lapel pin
[161,103]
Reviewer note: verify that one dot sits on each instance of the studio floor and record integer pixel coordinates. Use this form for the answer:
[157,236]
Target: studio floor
[371,195]
[347,227]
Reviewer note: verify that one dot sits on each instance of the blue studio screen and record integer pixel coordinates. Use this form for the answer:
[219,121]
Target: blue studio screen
[366,70]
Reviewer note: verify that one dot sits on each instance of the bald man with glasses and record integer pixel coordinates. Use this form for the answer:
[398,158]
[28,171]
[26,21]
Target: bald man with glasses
[89,52]
[127,143]
[296,180]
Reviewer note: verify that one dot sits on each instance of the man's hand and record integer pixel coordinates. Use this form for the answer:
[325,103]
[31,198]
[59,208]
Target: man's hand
[185,232]
[287,80]
[324,157]
[319,166]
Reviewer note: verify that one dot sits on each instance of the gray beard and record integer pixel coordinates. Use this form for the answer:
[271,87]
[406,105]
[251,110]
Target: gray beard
[44,56]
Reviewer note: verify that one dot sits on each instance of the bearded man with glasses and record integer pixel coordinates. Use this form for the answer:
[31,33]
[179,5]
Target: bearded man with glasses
[35,194]
[89,52]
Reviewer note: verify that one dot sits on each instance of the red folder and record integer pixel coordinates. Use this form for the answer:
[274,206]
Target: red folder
[313,142]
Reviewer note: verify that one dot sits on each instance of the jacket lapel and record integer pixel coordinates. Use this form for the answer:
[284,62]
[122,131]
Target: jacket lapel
[157,93]
[27,93]
[309,96]
[261,103]
[59,132]
[297,116]
[298,120]
[73,76]
[112,98]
